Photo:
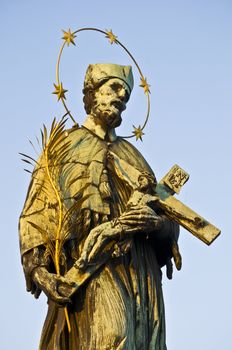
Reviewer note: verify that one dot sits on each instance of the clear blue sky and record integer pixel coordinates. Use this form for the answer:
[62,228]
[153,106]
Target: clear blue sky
[184,49]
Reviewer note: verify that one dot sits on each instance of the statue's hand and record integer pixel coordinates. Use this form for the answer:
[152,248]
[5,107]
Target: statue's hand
[97,240]
[141,219]
[49,283]
[138,219]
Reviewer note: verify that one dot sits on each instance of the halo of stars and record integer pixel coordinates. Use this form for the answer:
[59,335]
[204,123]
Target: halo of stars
[69,39]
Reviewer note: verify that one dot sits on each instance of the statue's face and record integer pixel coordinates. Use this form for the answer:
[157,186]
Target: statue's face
[110,100]
[143,183]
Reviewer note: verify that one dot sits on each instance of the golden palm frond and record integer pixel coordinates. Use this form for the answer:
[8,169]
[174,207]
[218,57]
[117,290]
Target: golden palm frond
[55,153]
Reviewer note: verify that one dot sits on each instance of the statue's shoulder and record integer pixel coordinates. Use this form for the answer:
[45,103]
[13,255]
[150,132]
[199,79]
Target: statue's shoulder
[131,154]
[76,132]
[77,135]
[84,145]
[123,143]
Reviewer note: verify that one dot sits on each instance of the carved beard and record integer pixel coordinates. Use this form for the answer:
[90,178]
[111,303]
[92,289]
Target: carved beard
[108,113]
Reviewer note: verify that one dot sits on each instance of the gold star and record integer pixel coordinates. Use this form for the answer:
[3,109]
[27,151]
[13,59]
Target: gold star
[138,132]
[145,85]
[59,91]
[69,37]
[112,38]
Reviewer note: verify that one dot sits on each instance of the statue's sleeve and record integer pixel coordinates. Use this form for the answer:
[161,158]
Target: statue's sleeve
[37,223]
[163,239]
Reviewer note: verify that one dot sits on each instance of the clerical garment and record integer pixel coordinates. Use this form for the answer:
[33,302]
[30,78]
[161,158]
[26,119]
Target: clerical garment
[121,306]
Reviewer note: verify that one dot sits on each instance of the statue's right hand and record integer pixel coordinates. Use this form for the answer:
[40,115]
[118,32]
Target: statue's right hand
[49,284]
[140,219]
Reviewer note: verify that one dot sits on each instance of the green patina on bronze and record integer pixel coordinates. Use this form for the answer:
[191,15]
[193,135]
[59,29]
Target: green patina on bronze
[163,192]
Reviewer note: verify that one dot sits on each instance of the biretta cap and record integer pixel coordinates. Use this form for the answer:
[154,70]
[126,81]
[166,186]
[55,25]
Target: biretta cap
[99,73]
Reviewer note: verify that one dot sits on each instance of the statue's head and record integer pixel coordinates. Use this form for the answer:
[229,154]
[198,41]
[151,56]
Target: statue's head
[107,88]
[147,182]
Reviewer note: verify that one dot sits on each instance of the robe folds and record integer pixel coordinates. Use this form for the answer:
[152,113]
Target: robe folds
[121,306]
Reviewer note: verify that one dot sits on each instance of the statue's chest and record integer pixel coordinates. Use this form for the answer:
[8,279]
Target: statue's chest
[92,175]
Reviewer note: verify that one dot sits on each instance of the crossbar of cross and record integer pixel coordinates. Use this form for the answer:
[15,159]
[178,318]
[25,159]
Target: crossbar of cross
[177,211]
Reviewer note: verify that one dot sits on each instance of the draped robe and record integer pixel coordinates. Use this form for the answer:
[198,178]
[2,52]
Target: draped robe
[121,306]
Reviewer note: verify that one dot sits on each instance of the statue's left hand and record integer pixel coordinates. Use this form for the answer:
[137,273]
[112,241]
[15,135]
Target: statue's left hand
[97,240]
[139,219]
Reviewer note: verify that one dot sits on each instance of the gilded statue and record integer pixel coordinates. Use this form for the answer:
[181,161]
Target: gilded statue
[97,228]
[121,305]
